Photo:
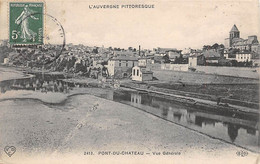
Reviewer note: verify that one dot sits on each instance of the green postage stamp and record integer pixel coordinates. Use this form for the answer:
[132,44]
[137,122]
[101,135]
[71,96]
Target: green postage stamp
[26,23]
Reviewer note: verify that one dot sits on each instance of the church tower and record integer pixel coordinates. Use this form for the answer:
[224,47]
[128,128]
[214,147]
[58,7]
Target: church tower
[234,33]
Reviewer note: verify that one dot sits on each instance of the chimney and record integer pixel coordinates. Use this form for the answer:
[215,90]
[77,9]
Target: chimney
[139,50]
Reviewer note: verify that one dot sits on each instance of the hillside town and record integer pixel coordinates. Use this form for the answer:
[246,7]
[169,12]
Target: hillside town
[137,63]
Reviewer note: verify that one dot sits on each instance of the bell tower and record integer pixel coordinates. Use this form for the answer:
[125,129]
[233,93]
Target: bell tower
[234,33]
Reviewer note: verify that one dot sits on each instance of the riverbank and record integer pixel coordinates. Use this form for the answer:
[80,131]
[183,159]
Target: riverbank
[90,124]
[196,102]
[244,95]
[240,96]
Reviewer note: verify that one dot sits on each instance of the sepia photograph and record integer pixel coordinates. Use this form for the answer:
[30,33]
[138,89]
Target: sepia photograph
[128,81]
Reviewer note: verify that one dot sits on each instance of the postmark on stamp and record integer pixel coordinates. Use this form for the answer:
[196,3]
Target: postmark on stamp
[26,23]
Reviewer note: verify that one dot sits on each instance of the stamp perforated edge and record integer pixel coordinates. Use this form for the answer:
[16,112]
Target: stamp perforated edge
[8,19]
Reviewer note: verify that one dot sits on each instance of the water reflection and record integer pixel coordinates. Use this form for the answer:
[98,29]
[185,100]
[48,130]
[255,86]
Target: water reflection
[232,131]
[226,125]
[164,112]
[136,100]
[177,116]
[43,83]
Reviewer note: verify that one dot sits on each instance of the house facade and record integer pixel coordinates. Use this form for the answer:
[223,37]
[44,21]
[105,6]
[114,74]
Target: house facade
[193,61]
[121,66]
[230,56]
[211,57]
[145,61]
[239,57]
[141,74]
[6,60]
[243,57]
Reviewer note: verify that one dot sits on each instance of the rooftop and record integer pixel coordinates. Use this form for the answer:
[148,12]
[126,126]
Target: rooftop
[234,29]
[211,53]
[124,58]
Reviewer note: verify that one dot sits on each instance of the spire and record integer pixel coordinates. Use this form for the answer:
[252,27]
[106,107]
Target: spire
[234,29]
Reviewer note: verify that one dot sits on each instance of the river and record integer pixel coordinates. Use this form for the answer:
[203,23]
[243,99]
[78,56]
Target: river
[238,129]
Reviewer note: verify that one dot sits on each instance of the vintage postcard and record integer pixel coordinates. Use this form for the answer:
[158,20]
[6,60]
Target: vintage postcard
[127,81]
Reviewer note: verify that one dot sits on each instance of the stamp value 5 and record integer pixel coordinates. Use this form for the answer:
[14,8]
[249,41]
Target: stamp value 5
[26,23]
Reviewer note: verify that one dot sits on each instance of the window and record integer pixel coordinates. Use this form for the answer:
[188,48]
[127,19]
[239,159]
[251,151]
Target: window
[137,72]
[119,63]
[140,75]
[126,63]
[134,72]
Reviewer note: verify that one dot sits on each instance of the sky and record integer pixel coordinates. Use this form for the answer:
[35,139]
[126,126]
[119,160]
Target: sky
[171,24]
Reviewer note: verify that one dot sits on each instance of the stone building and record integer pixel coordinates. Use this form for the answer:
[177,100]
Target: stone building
[145,61]
[234,41]
[121,66]
[193,61]
[140,73]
